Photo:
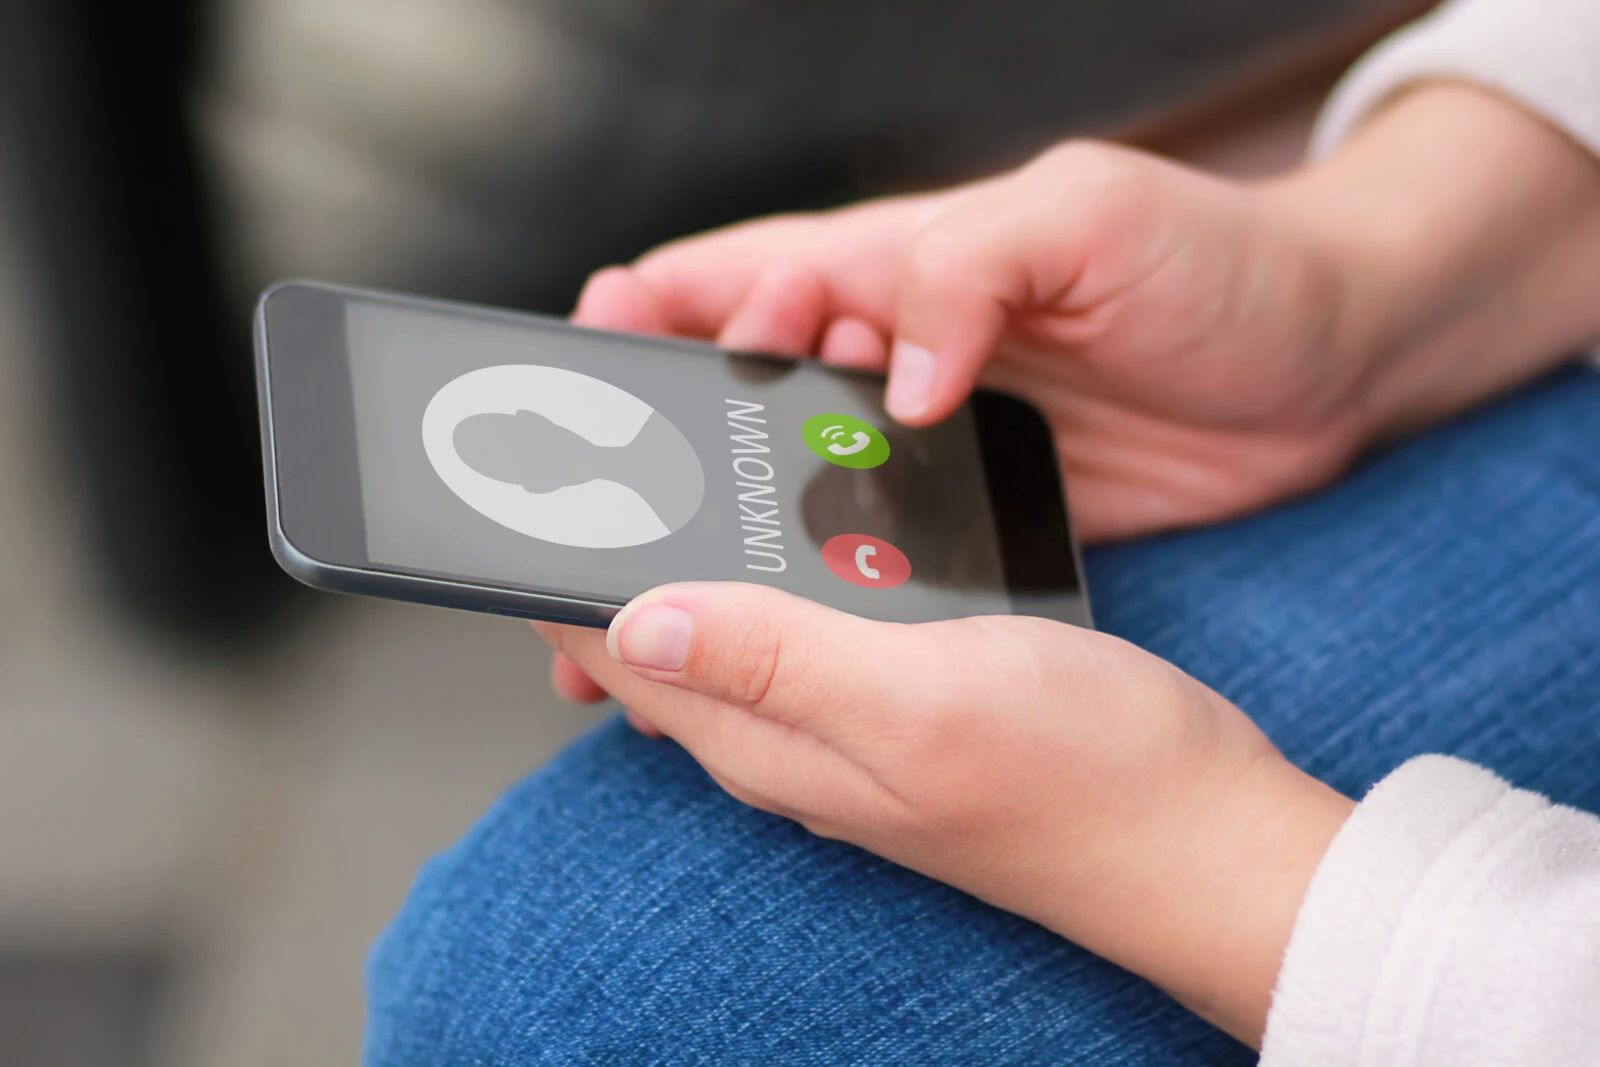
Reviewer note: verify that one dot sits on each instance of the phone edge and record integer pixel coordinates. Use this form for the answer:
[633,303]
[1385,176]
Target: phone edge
[417,589]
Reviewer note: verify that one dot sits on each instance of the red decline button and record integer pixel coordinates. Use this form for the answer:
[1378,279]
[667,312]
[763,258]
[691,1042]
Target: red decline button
[869,561]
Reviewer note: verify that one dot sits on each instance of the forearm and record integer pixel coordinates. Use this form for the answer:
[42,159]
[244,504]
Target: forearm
[1468,231]
[1468,234]
[1227,909]
[1200,891]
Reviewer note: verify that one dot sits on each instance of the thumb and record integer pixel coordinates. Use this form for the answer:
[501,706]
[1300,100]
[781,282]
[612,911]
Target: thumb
[777,656]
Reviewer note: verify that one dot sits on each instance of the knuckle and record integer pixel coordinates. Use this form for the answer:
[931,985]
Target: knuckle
[936,254]
[604,274]
[1082,160]
[753,668]
[1098,176]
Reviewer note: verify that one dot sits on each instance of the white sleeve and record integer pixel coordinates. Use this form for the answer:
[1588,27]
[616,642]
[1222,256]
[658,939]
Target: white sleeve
[1545,54]
[1455,921]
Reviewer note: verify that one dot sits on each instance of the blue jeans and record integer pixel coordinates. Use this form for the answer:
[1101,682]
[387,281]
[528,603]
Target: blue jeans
[616,908]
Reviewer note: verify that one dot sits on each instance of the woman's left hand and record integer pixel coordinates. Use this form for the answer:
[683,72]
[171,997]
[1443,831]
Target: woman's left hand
[1055,772]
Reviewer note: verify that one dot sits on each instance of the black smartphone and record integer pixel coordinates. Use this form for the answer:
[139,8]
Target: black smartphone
[511,463]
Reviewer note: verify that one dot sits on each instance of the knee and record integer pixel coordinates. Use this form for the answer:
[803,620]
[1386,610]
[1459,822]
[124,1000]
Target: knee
[517,945]
[617,904]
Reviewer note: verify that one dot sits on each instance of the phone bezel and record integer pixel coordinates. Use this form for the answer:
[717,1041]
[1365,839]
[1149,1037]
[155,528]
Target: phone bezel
[315,518]
[313,484]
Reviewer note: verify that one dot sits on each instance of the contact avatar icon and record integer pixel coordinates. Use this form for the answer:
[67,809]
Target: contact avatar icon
[562,457]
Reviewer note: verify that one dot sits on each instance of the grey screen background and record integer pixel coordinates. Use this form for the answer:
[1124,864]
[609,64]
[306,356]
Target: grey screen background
[928,499]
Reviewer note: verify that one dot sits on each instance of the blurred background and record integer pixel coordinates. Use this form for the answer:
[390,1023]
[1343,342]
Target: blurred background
[215,787]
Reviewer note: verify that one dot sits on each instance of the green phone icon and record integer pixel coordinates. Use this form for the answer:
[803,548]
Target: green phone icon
[846,441]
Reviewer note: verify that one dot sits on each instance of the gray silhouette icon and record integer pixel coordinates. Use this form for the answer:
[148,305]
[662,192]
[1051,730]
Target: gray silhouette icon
[529,450]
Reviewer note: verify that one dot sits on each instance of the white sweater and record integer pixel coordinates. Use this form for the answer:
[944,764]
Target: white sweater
[1455,921]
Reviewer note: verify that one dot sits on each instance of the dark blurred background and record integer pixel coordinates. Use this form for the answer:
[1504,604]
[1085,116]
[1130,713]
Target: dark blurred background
[214,787]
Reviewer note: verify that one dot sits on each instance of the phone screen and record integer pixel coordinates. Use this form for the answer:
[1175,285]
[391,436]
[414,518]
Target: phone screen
[525,453]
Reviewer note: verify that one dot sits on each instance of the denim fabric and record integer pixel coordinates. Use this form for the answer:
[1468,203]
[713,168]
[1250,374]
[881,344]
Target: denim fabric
[617,908]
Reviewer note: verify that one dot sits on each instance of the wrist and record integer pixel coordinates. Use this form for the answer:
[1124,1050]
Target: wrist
[1267,843]
[1463,230]
[1203,904]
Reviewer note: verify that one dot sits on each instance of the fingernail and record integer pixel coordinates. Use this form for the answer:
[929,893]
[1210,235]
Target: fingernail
[910,380]
[653,636]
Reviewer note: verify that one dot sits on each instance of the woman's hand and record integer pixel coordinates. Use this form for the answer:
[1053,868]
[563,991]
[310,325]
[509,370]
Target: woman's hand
[1055,772]
[1187,337]
[1201,347]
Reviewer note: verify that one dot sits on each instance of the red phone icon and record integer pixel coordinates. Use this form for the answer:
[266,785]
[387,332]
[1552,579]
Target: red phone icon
[867,561]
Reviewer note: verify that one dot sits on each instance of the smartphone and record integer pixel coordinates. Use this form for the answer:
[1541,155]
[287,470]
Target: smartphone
[511,463]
